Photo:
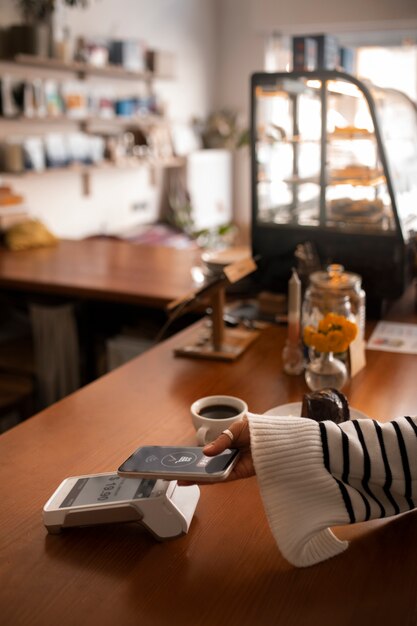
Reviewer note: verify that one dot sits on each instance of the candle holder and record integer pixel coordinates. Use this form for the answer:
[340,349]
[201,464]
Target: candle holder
[293,358]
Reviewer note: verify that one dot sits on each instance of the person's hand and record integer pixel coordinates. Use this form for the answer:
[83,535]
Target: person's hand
[244,467]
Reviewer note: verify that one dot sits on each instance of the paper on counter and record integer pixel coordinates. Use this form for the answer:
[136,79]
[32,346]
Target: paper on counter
[394,337]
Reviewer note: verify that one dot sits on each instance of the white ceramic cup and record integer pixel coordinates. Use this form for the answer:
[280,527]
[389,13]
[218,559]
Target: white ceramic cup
[207,415]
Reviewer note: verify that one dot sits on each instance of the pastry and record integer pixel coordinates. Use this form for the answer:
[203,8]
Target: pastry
[326,404]
[359,173]
[353,209]
[351,131]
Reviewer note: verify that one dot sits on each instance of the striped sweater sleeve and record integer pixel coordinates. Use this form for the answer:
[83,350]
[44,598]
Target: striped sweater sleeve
[314,475]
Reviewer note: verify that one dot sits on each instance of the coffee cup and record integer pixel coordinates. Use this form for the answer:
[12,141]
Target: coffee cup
[213,414]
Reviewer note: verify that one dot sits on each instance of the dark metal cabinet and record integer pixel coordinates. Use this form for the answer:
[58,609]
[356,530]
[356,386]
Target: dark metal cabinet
[334,162]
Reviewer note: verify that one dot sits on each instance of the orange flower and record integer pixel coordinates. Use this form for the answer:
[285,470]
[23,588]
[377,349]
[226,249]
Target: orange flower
[350,331]
[336,341]
[333,334]
[335,320]
[320,342]
[324,325]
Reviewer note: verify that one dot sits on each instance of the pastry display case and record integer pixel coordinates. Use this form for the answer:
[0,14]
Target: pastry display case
[334,163]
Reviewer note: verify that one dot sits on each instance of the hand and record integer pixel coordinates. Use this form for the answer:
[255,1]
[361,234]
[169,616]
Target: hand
[244,467]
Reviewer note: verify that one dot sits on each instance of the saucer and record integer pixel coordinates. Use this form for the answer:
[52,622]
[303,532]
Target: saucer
[217,260]
[293,409]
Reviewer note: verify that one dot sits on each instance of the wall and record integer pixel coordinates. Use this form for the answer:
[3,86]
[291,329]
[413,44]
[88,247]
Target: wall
[185,27]
[331,16]
[241,53]
[244,26]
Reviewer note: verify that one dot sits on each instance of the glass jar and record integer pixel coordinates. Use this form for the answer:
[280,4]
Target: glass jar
[334,291]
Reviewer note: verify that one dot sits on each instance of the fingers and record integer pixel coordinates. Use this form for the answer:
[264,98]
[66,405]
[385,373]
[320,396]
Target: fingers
[241,439]
[217,446]
[240,432]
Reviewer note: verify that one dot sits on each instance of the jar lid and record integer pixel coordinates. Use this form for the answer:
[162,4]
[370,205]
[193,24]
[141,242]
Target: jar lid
[335,278]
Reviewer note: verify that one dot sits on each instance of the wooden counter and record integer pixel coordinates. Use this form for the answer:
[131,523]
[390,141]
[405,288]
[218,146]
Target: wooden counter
[228,569]
[101,269]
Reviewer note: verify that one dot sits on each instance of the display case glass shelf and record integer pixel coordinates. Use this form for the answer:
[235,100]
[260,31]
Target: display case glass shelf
[334,161]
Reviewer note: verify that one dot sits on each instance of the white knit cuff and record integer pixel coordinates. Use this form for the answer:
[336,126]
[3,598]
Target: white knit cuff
[300,496]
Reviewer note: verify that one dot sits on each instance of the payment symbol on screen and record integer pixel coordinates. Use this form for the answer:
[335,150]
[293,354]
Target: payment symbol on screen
[151,459]
[179,459]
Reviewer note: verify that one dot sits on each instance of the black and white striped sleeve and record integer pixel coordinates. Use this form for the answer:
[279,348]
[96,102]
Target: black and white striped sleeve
[316,475]
[374,465]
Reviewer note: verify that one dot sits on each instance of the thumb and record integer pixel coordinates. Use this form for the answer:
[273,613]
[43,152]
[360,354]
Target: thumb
[223,441]
[217,446]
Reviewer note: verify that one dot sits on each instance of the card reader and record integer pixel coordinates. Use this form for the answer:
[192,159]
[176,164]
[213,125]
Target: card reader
[162,507]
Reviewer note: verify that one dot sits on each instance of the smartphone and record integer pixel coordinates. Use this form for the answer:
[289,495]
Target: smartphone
[177,463]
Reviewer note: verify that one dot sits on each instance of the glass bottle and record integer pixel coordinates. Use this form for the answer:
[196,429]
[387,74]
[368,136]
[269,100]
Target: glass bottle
[334,291]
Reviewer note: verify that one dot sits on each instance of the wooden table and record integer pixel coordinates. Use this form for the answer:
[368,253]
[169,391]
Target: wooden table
[228,569]
[101,269]
[99,273]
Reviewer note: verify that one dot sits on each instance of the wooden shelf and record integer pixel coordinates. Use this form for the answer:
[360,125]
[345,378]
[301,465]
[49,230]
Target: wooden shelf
[85,69]
[104,166]
[86,123]
[117,120]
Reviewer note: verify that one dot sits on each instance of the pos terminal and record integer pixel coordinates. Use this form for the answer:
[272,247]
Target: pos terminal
[162,507]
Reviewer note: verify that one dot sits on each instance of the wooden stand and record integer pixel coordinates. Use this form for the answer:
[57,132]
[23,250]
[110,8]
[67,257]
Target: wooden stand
[218,342]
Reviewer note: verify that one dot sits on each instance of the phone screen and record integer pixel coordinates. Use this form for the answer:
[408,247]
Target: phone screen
[175,461]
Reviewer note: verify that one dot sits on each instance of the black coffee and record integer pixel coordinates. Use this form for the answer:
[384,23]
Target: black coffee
[219,411]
